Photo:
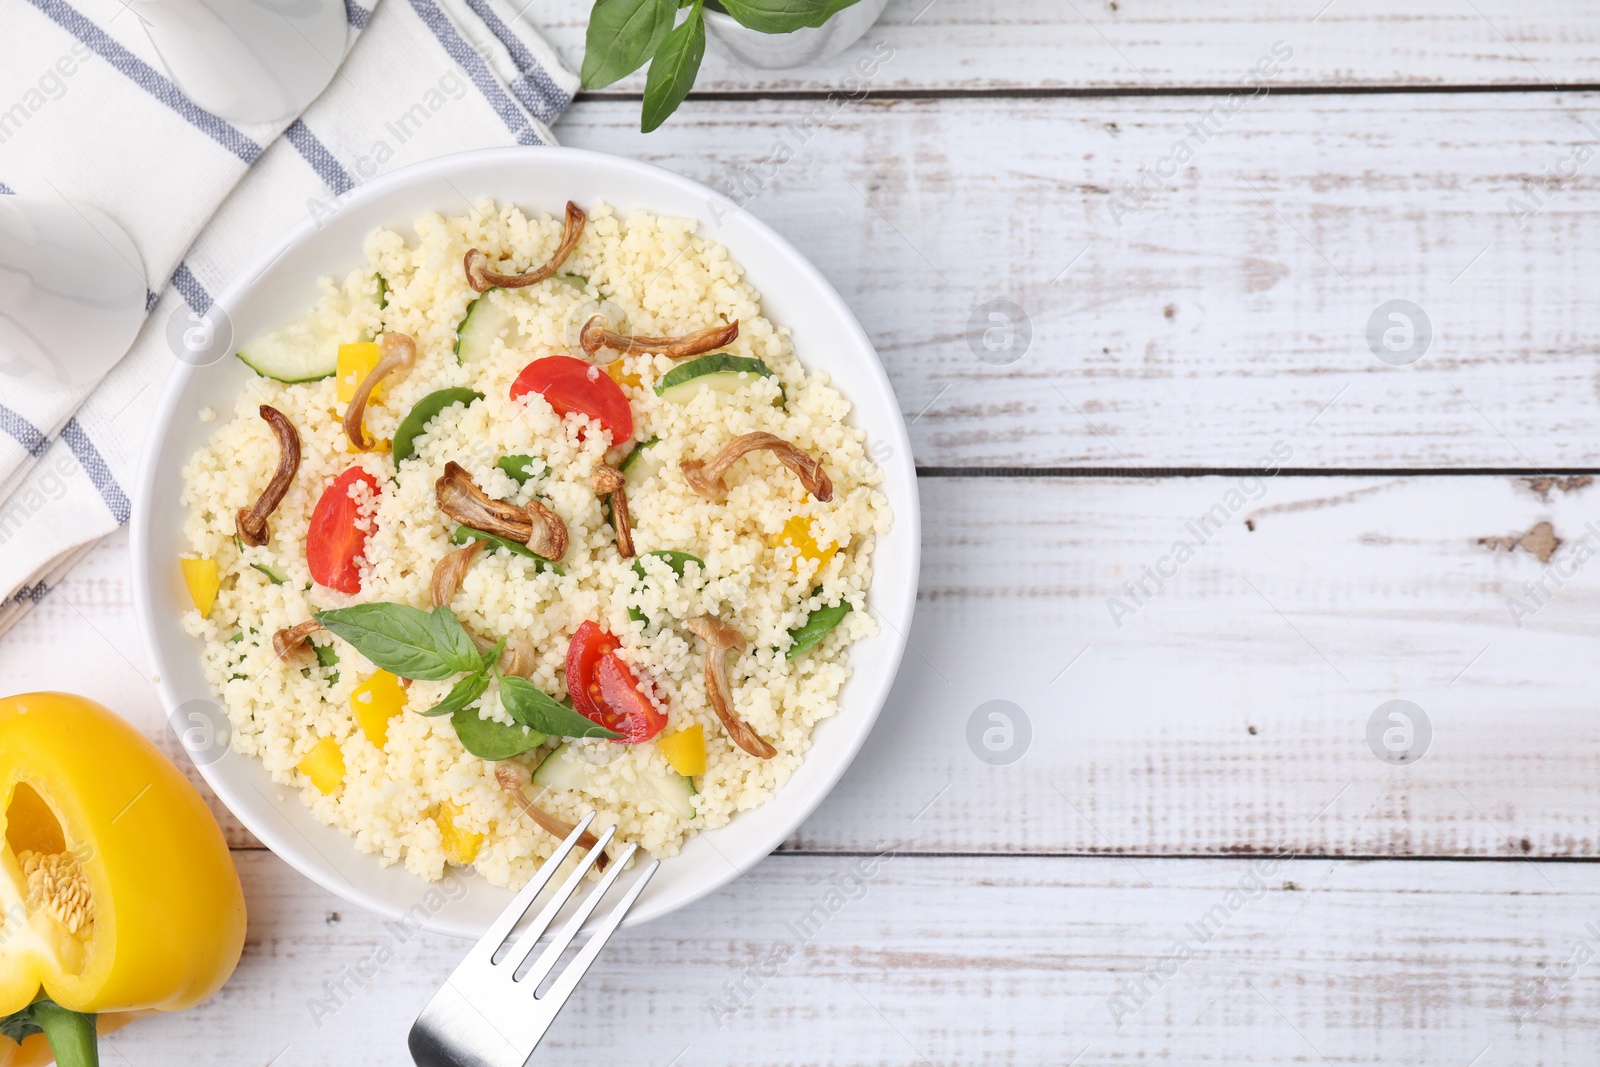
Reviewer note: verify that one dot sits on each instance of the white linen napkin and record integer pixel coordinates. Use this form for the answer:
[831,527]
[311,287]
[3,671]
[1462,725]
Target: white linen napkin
[95,120]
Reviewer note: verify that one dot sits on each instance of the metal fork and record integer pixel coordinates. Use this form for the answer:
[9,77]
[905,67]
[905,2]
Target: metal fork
[485,1016]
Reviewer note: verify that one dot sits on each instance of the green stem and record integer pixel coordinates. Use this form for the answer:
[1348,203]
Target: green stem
[71,1034]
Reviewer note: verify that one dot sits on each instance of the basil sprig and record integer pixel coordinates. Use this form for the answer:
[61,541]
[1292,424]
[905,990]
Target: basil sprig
[433,646]
[624,35]
[405,641]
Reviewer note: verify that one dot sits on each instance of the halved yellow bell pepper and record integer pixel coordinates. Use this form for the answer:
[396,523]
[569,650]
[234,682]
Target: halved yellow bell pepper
[374,702]
[117,893]
[796,533]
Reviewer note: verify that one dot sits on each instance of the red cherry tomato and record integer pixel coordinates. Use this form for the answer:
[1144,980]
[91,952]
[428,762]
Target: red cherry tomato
[631,713]
[334,543]
[606,691]
[572,386]
[583,656]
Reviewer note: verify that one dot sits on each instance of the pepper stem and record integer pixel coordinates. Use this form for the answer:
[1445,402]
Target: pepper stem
[71,1034]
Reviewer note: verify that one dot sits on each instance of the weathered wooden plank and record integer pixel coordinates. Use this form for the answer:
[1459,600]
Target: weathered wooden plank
[1231,309]
[902,959]
[1140,44]
[1229,712]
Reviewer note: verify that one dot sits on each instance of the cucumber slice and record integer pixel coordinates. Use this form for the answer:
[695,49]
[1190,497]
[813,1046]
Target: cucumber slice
[421,413]
[304,350]
[577,281]
[487,318]
[721,371]
[563,770]
[273,576]
[641,463]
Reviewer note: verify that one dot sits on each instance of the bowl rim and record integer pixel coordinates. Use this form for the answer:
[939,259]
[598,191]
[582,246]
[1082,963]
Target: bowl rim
[897,614]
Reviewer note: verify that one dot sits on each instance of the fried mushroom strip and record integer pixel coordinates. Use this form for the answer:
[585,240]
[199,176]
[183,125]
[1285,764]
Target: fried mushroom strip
[597,334]
[251,523]
[720,639]
[482,279]
[609,481]
[531,524]
[293,645]
[449,572]
[705,478]
[399,353]
[513,777]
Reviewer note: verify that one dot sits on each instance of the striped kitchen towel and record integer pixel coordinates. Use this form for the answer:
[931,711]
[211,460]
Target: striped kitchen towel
[87,113]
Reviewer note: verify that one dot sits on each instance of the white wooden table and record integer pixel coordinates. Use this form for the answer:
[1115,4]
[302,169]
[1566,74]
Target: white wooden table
[1199,858]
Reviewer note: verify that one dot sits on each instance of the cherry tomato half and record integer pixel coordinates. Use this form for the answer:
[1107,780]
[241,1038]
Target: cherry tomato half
[572,386]
[606,691]
[631,713]
[334,543]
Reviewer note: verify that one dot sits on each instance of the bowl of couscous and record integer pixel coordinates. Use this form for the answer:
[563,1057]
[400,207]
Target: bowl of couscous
[530,482]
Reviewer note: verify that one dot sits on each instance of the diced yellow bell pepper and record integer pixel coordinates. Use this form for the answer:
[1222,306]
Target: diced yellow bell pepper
[374,702]
[617,373]
[324,765]
[460,846]
[117,893]
[355,363]
[203,579]
[797,533]
[686,750]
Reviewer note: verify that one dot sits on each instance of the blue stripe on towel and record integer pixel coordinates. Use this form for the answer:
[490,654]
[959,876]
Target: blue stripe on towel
[194,294]
[151,299]
[6,190]
[476,69]
[144,76]
[356,15]
[34,593]
[94,464]
[535,88]
[27,434]
[333,175]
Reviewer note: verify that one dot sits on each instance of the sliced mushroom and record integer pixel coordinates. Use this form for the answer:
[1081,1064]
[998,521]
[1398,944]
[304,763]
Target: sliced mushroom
[449,572]
[608,481]
[251,523]
[706,478]
[517,657]
[513,778]
[482,279]
[293,645]
[720,638]
[531,524]
[399,353]
[597,334]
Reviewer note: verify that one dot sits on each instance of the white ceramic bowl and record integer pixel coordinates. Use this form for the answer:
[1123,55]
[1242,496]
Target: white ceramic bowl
[282,283]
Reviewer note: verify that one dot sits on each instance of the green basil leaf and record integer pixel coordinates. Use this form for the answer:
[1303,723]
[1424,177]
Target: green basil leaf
[492,657]
[464,692]
[673,70]
[623,35]
[633,453]
[464,534]
[783,16]
[520,468]
[453,642]
[532,707]
[817,626]
[492,740]
[397,637]
[423,411]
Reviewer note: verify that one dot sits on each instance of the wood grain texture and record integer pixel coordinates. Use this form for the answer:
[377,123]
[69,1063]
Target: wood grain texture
[959,961]
[962,45]
[1229,711]
[1231,309]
